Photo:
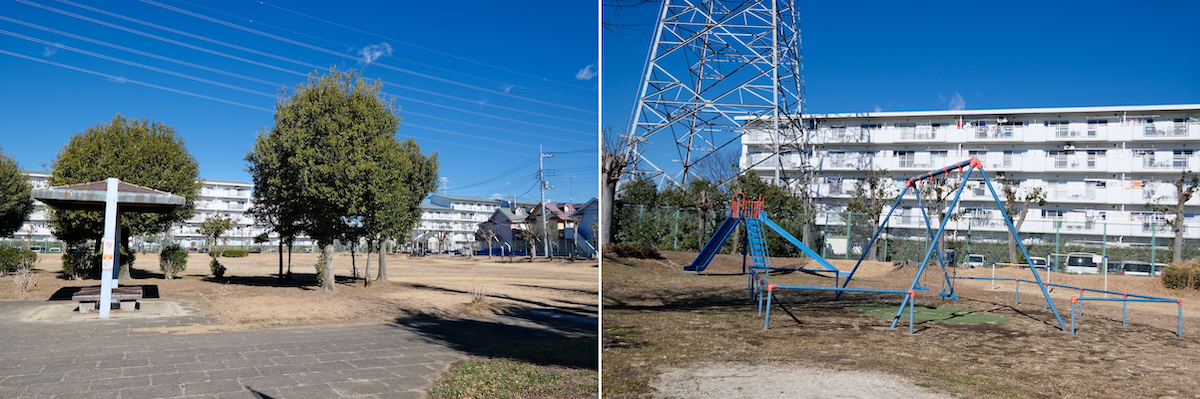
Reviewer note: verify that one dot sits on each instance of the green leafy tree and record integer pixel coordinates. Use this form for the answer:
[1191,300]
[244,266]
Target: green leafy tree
[1012,199]
[331,163]
[16,203]
[1185,187]
[875,189]
[140,152]
[214,228]
[783,205]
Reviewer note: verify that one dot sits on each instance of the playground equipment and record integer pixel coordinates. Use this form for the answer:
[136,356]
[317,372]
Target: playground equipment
[751,213]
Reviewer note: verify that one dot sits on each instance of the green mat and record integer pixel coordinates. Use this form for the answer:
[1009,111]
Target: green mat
[920,313]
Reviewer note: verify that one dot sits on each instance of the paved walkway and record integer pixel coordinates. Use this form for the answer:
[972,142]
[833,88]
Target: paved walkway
[47,352]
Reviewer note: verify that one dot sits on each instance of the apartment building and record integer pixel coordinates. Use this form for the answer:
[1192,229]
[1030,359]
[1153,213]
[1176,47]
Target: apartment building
[227,197]
[448,222]
[1099,166]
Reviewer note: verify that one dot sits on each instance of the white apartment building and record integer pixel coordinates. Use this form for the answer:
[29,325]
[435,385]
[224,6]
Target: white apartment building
[228,197]
[1099,166]
[457,218]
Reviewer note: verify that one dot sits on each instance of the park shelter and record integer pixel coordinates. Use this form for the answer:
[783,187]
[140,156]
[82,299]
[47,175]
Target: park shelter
[112,196]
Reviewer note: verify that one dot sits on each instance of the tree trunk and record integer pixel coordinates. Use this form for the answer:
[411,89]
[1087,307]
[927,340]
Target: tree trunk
[328,285]
[124,266]
[289,273]
[606,212]
[353,264]
[1177,256]
[382,261]
[367,264]
[281,259]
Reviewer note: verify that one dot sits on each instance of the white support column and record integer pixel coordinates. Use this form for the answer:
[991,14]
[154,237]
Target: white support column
[111,254]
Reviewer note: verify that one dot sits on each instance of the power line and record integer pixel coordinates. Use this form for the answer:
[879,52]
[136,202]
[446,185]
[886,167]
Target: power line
[406,60]
[335,53]
[121,79]
[423,48]
[134,64]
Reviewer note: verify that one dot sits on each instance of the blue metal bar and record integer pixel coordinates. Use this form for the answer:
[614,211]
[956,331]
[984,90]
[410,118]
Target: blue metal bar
[912,302]
[1127,300]
[929,252]
[1013,230]
[1124,313]
[1072,316]
[873,238]
[1180,333]
[792,239]
[929,231]
[767,321]
[806,287]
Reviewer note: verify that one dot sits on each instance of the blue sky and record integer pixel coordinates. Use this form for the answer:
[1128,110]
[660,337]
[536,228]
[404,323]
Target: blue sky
[483,84]
[870,56]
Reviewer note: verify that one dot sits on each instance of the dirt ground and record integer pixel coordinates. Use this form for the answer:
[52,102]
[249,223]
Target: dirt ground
[659,320]
[251,296]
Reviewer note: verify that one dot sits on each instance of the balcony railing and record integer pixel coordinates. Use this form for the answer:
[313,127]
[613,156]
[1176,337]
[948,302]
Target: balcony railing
[1179,130]
[1165,163]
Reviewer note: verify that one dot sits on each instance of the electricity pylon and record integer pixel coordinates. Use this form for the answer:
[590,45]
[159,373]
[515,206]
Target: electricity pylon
[713,65]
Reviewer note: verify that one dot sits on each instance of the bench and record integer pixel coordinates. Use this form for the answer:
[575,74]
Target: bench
[89,298]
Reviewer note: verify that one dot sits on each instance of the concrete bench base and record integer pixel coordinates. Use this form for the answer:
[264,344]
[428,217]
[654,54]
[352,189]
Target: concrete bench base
[126,297]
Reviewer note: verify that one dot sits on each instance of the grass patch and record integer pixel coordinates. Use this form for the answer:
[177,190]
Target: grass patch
[945,315]
[560,369]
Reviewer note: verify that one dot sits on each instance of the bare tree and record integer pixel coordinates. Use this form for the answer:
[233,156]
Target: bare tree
[874,190]
[1185,187]
[1011,199]
[937,194]
[616,161]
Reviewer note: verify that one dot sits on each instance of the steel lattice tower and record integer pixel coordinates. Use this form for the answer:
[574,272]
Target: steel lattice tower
[711,62]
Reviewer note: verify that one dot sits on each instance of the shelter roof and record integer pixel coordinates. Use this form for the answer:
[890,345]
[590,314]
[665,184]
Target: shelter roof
[91,197]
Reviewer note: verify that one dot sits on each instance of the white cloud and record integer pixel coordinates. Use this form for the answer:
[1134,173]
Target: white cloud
[507,88]
[496,196]
[119,79]
[49,51]
[877,109]
[587,73]
[957,102]
[374,52]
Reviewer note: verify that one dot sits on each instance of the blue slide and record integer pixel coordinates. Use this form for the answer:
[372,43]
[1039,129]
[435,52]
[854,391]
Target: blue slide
[714,245]
[803,248]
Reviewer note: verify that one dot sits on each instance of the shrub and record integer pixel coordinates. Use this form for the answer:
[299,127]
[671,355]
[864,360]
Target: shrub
[235,253]
[24,280]
[218,270]
[13,259]
[172,260]
[78,262]
[1183,276]
[629,251]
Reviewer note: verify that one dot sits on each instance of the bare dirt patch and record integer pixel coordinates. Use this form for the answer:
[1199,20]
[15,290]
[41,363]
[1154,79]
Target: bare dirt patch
[658,319]
[730,380]
[251,296]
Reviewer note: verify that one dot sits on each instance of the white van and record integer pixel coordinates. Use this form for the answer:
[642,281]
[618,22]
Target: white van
[1037,263]
[1084,263]
[975,260]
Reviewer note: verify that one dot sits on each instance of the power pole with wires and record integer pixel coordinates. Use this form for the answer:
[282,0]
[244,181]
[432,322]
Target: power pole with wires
[545,186]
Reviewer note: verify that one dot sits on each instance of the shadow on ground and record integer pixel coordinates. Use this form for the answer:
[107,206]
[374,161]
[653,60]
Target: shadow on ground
[524,338]
[149,291]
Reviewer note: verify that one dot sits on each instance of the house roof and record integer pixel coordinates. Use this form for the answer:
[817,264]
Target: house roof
[559,210]
[462,198]
[583,208]
[433,207]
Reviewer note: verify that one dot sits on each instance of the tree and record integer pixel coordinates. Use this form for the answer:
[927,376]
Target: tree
[16,202]
[874,190]
[1011,199]
[937,193]
[213,228]
[784,206]
[332,163]
[140,152]
[615,161]
[1185,187]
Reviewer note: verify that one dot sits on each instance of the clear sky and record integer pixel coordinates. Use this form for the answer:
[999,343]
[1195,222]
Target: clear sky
[482,83]
[868,56]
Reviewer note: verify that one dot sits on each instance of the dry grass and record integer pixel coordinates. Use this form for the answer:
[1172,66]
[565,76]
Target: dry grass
[657,318]
[251,296]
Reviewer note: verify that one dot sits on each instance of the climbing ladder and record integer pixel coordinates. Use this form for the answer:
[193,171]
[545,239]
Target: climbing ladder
[758,244]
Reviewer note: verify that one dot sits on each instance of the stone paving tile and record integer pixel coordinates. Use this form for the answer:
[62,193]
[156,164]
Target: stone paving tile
[26,379]
[303,359]
[212,387]
[179,378]
[402,395]
[349,388]
[217,357]
[328,366]
[233,374]
[121,382]
[116,364]
[373,373]
[77,366]
[153,391]
[282,369]
[323,377]
[92,394]
[264,383]
[306,392]
[45,390]
[373,362]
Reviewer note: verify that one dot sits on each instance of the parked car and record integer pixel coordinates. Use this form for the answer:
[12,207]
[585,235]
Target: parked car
[54,250]
[1135,268]
[1083,263]
[35,248]
[192,250]
[975,260]
[1037,263]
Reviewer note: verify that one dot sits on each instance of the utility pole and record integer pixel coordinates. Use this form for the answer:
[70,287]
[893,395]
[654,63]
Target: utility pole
[545,186]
